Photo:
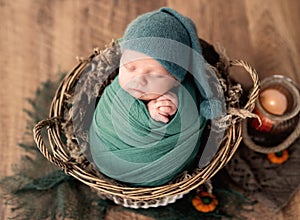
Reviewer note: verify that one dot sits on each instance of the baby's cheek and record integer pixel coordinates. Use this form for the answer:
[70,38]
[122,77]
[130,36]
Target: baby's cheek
[163,90]
[122,81]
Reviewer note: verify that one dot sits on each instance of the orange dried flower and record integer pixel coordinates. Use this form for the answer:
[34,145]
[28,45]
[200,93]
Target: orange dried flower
[205,202]
[278,157]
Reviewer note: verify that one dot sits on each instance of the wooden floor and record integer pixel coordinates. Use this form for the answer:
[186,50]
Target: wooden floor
[40,38]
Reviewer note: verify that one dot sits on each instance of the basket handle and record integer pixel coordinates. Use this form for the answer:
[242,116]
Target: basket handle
[250,105]
[256,83]
[246,111]
[41,145]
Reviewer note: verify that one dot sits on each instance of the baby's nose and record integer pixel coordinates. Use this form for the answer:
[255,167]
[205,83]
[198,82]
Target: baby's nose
[141,80]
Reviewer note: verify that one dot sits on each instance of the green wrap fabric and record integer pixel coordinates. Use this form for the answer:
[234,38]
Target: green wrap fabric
[128,145]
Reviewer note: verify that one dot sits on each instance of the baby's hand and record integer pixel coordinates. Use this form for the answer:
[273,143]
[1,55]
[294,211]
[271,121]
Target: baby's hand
[163,107]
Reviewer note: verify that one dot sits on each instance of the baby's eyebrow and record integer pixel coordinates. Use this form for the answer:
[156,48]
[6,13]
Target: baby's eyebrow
[128,65]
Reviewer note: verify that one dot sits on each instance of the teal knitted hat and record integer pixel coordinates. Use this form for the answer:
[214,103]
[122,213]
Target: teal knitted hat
[172,39]
[163,35]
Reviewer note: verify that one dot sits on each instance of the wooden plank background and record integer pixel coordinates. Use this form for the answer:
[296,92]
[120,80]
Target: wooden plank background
[39,38]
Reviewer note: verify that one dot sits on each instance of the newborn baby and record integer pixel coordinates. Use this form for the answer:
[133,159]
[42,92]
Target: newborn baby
[148,123]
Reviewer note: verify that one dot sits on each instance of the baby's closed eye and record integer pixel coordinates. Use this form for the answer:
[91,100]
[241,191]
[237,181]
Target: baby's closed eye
[129,66]
[158,75]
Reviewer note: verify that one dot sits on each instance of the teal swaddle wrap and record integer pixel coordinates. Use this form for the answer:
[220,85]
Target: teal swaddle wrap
[125,142]
[128,145]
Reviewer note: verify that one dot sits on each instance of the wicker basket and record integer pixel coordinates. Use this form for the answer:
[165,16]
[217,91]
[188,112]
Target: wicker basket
[67,154]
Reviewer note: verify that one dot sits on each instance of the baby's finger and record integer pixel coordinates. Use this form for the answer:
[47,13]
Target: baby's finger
[164,103]
[163,118]
[167,110]
[173,100]
[168,95]
[164,113]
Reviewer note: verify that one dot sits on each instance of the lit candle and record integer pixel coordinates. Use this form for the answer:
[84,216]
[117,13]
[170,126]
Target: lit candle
[278,108]
[273,101]
[273,108]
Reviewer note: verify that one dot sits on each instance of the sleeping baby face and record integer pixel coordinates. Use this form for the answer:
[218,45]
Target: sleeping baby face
[144,77]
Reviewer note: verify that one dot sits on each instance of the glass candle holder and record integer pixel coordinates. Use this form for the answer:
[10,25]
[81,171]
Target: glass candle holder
[278,107]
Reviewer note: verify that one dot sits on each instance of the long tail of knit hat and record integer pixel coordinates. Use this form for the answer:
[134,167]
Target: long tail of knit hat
[172,39]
